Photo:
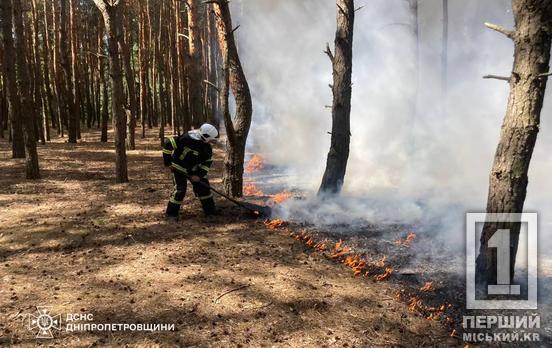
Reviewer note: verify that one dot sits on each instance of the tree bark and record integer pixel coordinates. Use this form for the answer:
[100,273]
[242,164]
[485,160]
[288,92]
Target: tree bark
[28,114]
[143,70]
[67,82]
[57,72]
[112,18]
[50,98]
[105,103]
[129,74]
[76,102]
[40,97]
[342,63]
[211,67]
[195,73]
[14,106]
[508,178]
[237,130]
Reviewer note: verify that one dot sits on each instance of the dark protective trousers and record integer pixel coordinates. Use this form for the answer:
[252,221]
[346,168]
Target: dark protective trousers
[204,195]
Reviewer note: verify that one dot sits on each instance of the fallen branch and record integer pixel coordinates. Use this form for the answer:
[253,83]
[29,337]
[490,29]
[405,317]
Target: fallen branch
[500,29]
[496,77]
[230,291]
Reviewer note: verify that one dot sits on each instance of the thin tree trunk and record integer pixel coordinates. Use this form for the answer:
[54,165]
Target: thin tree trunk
[57,72]
[67,90]
[238,129]
[342,63]
[508,178]
[184,73]
[174,72]
[211,92]
[47,77]
[28,115]
[143,60]
[129,74]
[112,19]
[18,142]
[105,102]
[40,98]
[76,102]
[195,72]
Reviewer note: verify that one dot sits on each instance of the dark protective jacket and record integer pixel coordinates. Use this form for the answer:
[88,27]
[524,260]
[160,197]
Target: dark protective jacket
[187,155]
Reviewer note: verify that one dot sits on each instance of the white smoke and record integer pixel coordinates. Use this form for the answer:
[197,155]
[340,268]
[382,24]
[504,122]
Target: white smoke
[399,169]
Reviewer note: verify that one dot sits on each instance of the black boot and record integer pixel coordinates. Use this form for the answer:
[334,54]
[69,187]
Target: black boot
[209,206]
[171,214]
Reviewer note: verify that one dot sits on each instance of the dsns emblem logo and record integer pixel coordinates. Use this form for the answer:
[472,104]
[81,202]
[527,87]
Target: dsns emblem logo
[44,322]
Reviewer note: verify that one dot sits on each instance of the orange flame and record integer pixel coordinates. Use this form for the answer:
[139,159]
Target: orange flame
[356,263]
[381,263]
[281,197]
[321,246]
[413,303]
[428,286]
[409,240]
[274,224]
[250,189]
[339,250]
[385,275]
[255,164]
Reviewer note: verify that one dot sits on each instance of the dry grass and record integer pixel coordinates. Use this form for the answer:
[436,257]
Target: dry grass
[80,243]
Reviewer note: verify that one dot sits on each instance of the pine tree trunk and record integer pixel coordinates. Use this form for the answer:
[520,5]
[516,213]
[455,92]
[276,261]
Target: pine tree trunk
[40,98]
[28,114]
[129,74]
[342,63]
[183,71]
[174,72]
[508,179]
[47,77]
[143,63]
[66,83]
[237,130]
[195,73]
[211,92]
[18,142]
[57,72]
[113,28]
[76,102]
[105,102]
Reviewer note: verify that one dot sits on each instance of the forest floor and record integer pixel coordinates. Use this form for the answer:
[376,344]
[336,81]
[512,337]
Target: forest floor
[79,243]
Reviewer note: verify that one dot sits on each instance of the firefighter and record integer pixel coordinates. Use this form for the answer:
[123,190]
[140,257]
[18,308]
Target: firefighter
[189,157]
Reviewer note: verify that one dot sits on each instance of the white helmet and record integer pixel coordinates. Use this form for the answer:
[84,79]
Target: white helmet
[206,132]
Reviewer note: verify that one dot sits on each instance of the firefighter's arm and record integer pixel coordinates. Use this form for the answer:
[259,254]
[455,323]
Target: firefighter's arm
[205,165]
[168,150]
[178,147]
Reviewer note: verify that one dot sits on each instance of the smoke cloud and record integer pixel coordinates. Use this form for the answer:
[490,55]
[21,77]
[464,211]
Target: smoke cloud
[403,167]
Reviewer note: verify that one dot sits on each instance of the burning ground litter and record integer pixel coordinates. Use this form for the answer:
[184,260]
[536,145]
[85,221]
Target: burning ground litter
[384,252]
[416,297]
